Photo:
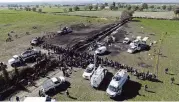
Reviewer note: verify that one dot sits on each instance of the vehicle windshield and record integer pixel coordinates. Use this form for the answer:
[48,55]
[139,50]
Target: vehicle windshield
[126,39]
[117,78]
[59,80]
[34,40]
[112,88]
[133,48]
[89,70]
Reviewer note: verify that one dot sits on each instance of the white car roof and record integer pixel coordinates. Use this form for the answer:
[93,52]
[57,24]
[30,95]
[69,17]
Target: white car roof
[121,74]
[114,32]
[138,37]
[126,38]
[54,79]
[35,99]
[145,38]
[102,48]
[98,71]
[15,56]
[114,83]
[91,65]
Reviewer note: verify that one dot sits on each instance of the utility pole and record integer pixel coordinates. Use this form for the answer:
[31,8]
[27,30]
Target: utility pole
[159,51]
[95,60]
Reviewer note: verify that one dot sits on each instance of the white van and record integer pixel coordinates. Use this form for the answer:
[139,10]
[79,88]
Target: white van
[98,77]
[117,82]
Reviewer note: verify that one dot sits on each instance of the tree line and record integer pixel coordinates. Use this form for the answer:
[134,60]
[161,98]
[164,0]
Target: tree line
[90,7]
[117,6]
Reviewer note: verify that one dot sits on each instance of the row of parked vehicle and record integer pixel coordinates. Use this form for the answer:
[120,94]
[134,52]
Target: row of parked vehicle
[138,44]
[97,76]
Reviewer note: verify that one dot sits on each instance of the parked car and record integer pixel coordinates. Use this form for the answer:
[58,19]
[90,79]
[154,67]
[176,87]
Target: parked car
[89,71]
[115,86]
[52,84]
[101,50]
[29,54]
[36,41]
[126,40]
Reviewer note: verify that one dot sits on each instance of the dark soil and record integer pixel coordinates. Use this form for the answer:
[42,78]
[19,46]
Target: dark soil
[70,39]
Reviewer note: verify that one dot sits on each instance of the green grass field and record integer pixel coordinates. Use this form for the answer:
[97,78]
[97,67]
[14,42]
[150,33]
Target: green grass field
[170,49]
[23,21]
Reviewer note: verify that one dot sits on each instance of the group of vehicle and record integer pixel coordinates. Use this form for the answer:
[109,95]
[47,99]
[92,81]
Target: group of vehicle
[97,76]
[138,44]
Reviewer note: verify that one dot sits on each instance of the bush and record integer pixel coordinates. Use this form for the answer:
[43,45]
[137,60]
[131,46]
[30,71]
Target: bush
[102,6]
[126,15]
[70,9]
[76,8]
[34,9]
[40,10]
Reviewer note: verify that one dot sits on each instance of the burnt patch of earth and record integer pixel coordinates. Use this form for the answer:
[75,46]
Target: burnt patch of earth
[80,26]
[76,36]
[144,65]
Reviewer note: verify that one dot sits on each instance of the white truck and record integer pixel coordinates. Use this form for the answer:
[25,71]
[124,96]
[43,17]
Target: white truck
[98,77]
[137,45]
[17,60]
[115,86]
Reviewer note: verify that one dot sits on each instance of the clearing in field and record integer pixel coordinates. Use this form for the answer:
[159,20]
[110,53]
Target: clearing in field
[143,61]
[21,22]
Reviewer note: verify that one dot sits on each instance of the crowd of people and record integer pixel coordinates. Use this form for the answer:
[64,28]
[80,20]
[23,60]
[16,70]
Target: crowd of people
[81,60]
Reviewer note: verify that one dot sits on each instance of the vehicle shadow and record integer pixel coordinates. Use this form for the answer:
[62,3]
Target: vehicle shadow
[106,81]
[59,89]
[143,50]
[135,20]
[156,80]
[130,90]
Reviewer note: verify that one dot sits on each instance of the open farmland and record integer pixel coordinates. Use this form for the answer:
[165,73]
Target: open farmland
[108,13]
[134,91]
[167,15]
[21,22]
[80,90]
